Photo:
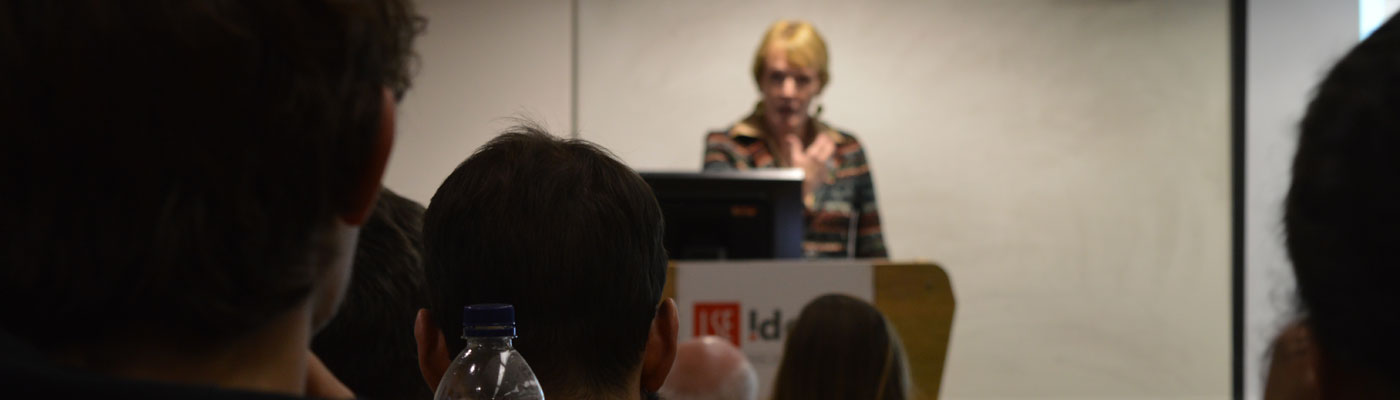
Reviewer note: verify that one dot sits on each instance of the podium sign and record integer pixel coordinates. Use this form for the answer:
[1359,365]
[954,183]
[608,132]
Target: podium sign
[754,304]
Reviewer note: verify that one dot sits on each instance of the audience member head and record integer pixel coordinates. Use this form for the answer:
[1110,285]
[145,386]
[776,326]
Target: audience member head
[185,177]
[1342,218]
[709,368]
[790,68]
[369,344]
[841,348]
[573,239]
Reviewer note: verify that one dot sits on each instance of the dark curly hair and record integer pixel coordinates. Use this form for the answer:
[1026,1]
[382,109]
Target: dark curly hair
[570,236]
[174,165]
[1342,213]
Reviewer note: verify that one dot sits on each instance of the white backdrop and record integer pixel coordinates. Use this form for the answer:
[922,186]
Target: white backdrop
[1067,161]
[480,62]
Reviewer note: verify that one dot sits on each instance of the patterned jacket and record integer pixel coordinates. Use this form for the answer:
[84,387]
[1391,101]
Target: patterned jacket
[843,219]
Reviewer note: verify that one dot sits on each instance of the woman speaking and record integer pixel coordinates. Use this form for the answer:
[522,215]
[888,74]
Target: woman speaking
[790,68]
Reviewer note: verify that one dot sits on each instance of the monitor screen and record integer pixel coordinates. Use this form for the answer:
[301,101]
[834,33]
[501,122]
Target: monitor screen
[731,215]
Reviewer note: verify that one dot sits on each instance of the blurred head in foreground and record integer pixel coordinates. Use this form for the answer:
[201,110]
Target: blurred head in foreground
[369,344]
[188,178]
[842,348]
[1342,220]
[710,368]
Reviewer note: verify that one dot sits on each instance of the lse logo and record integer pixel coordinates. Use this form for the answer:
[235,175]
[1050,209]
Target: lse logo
[718,319]
[723,320]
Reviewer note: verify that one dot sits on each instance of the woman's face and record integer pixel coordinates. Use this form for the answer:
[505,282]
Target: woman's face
[787,92]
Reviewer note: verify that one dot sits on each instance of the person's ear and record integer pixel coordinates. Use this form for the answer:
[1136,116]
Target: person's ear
[364,188]
[432,349]
[661,347]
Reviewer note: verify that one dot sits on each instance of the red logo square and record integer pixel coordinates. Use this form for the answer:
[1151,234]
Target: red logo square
[718,319]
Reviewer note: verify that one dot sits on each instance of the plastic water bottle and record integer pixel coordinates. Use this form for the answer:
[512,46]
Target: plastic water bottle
[489,368]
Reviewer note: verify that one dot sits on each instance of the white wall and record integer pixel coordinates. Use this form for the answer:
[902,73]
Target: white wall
[480,63]
[1291,44]
[1067,161]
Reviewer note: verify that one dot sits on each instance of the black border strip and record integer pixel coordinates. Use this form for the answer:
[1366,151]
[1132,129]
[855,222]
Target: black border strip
[1238,57]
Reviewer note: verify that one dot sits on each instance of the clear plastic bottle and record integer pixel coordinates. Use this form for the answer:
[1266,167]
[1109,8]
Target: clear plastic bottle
[489,368]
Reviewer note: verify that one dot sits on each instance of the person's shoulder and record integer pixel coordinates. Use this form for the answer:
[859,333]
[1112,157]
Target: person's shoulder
[847,145]
[24,383]
[717,136]
[846,138]
[842,137]
[26,374]
[731,135]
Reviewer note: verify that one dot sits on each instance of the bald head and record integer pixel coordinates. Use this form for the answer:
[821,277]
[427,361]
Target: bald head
[709,368]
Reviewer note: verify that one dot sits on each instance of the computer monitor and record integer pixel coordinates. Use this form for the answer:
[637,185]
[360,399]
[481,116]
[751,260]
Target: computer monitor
[732,215]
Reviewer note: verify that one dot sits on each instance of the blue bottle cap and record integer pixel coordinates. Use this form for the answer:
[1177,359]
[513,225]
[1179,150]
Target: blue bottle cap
[488,320]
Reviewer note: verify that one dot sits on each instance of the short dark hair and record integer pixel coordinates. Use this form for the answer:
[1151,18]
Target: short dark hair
[566,233]
[841,348]
[369,344]
[174,165]
[1342,213]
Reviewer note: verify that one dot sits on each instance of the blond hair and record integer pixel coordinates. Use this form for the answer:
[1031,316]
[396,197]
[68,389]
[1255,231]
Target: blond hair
[800,41]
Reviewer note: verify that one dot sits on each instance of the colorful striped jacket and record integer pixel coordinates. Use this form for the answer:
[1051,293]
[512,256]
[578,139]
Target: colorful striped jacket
[832,232]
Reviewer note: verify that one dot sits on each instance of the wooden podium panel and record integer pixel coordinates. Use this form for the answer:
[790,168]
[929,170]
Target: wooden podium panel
[917,298]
